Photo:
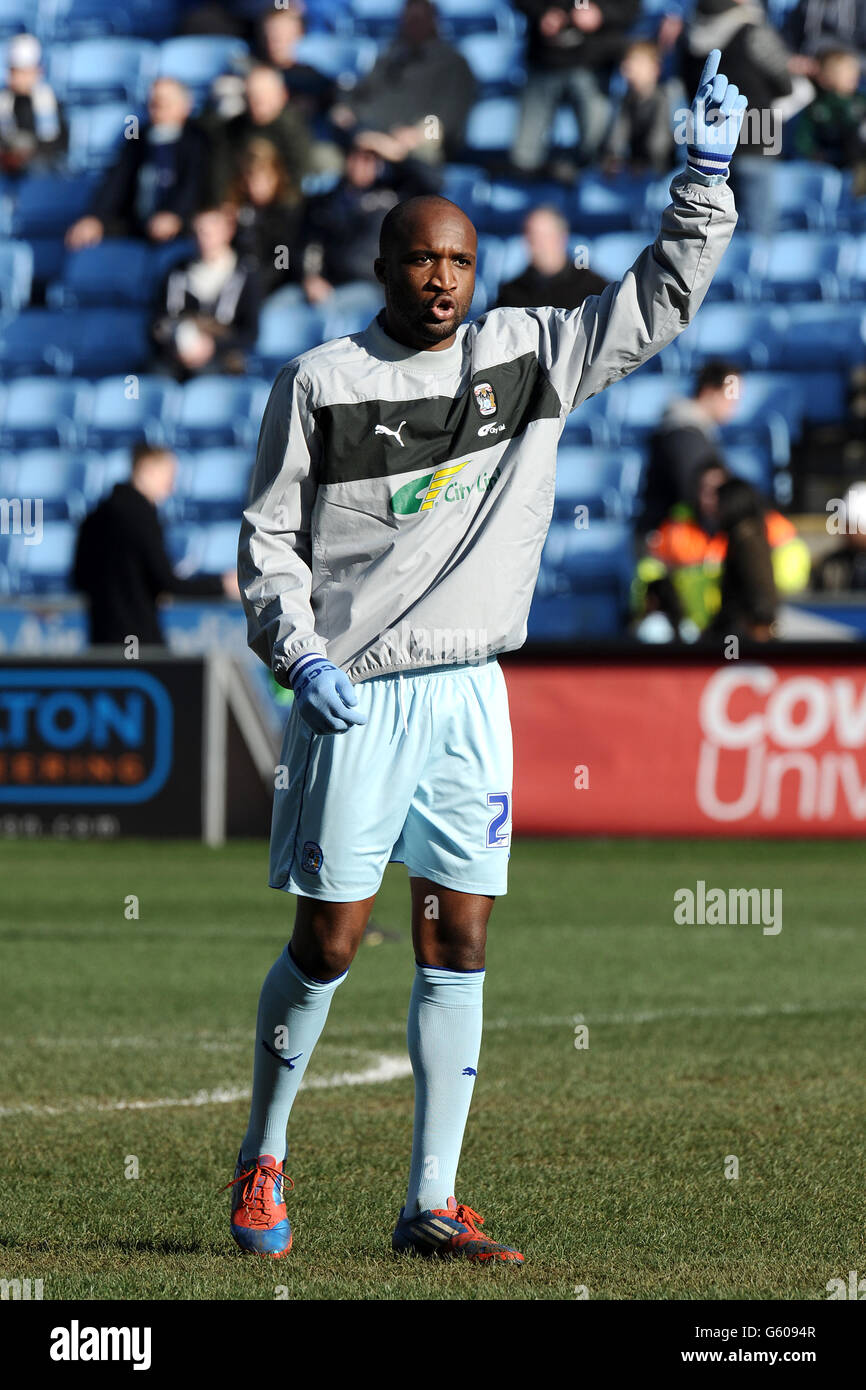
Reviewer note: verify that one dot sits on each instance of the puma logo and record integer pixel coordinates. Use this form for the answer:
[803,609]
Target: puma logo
[395,434]
[284,1061]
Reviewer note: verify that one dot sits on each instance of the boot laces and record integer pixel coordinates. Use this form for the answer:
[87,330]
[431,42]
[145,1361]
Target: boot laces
[253,1193]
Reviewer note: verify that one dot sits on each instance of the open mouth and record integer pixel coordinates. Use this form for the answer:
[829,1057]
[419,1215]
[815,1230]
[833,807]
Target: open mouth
[441,309]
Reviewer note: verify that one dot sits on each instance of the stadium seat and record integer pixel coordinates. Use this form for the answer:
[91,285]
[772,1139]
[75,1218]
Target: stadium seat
[496,61]
[285,330]
[821,336]
[101,70]
[46,205]
[217,547]
[499,206]
[806,194]
[16,275]
[212,485]
[606,481]
[53,476]
[465,185]
[102,471]
[40,412]
[743,333]
[378,19]
[197,59]
[16,16]
[804,265]
[575,617]
[736,277]
[566,133]
[491,126]
[770,410]
[589,423]
[637,404]
[606,204]
[36,341]
[475,16]
[342,58]
[752,462]
[120,410]
[854,269]
[614,254]
[350,308]
[114,272]
[595,562]
[48,254]
[211,411]
[95,134]
[513,256]
[68,20]
[43,568]
[87,343]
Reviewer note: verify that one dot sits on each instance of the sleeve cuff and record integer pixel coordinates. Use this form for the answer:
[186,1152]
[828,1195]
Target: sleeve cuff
[700,176]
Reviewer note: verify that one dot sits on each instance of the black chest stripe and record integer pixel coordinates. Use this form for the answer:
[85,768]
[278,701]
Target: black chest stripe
[426,432]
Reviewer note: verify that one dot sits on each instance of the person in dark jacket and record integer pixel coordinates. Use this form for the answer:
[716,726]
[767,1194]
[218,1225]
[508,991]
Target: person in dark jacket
[833,128]
[279,34]
[159,179]
[571,52]
[815,25]
[269,211]
[33,132]
[755,59]
[686,444]
[121,565]
[749,597]
[551,277]
[641,136]
[419,92]
[269,115]
[210,310]
[341,235]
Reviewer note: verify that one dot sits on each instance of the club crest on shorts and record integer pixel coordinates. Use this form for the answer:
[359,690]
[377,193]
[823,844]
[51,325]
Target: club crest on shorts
[485,398]
[312,858]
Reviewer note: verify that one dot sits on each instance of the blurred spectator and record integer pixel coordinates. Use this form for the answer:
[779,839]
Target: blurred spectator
[686,441]
[341,236]
[121,563]
[660,614]
[833,128]
[419,92]
[280,32]
[641,136]
[754,59]
[817,24]
[748,588]
[32,127]
[268,209]
[843,570]
[158,181]
[269,115]
[692,543]
[210,309]
[571,52]
[551,276]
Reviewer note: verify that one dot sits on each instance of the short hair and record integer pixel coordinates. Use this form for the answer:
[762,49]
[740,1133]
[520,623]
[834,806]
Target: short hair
[141,450]
[643,46]
[550,210]
[714,375]
[396,218]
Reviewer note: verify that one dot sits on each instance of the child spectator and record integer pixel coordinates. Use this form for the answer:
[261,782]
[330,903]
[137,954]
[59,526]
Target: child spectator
[641,136]
[833,128]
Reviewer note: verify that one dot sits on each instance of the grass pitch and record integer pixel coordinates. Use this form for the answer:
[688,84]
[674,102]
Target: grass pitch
[605,1165]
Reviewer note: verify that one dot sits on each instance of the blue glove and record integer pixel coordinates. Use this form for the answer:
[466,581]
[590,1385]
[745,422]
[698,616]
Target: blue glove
[324,696]
[714,120]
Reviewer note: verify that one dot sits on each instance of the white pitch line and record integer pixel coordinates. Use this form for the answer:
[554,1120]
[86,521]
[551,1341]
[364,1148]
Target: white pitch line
[385,1068]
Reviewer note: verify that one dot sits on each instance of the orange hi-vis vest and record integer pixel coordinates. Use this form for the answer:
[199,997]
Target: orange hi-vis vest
[684,542]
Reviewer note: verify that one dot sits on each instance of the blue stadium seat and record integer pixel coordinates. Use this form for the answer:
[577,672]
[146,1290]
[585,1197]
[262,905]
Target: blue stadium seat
[40,412]
[589,424]
[16,16]
[95,133]
[38,340]
[491,126]
[48,254]
[100,70]
[86,343]
[826,401]
[614,254]
[46,204]
[114,272]
[854,271]
[217,548]
[576,617]
[501,205]
[596,563]
[44,568]
[475,16]
[770,411]
[496,60]
[342,58]
[806,194]
[196,60]
[566,132]
[102,471]
[637,404]
[16,275]
[489,264]
[804,265]
[120,410]
[821,336]
[737,277]
[513,257]
[212,411]
[285,331]
[752,462]
[606,481]
[350,308]
[68,20]
[52,475]
[212,485]
[376,18]
[607,204]
[465,185]
[743,333]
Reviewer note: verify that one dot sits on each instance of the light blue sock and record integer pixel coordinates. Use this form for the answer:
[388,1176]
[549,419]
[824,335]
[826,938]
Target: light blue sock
[292,1013]
[444,1036]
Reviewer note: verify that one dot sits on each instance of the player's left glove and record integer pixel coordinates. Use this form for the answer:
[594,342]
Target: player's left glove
[715,120]
[325,696]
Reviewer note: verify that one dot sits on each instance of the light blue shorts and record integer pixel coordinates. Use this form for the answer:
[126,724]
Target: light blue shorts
[425,782]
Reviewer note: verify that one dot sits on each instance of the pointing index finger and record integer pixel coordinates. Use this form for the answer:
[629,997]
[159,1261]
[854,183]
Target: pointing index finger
[711,67]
